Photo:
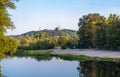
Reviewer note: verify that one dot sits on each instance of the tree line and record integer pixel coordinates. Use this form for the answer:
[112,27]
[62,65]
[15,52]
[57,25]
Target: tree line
[97,31]
[43,41]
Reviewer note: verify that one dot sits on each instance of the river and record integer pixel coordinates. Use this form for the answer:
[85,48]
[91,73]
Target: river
[56,67]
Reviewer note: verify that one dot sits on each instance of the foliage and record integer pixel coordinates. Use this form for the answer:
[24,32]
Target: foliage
[63,39]
[40,41]
[88,25]
[63,46]
[6,43]
[46,39]
[113,32]
[42,44]
[96,31]
[50,33]
[11,45]
[74,57]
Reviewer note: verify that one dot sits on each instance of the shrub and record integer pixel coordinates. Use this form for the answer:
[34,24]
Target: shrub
[64,46]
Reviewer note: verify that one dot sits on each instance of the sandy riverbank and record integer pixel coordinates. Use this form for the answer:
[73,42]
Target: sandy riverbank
[89,52]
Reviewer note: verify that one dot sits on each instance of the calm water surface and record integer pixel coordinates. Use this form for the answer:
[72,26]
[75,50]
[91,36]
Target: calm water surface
[56,67]
[28,67]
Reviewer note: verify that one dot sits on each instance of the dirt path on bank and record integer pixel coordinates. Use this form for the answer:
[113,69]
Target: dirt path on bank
[89,52]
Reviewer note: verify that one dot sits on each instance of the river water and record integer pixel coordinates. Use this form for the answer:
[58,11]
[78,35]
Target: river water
[56,67]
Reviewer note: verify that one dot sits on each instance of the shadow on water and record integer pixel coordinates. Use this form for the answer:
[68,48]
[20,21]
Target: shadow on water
[99,69]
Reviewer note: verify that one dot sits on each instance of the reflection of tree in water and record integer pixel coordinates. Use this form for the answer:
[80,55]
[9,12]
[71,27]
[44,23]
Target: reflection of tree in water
[1,57]
[0,72]
[39,58]
[99,69]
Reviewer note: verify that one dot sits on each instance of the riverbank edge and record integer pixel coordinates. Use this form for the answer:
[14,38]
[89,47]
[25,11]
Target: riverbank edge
[92,54]
[66,56]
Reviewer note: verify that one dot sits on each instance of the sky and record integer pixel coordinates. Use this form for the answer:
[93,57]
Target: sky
[33,15]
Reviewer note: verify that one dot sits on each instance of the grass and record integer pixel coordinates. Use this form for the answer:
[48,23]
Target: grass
[38,52]
[110,59]
[47,53]
[74,57]
[86,58]
[33,53]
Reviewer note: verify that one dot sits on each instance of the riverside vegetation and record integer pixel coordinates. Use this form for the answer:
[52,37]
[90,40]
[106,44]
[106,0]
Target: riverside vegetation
[44,54]
[30,43]
[7,44]
[95,31]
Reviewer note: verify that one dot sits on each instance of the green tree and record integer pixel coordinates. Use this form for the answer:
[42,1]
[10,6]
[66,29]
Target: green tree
[113,32]
[43,44]
[55,40]
[23,42]
[41,35]
[63,39]
[72,42]
[5,22]
[11,45]
[88,25]
[100,37]
[98,31]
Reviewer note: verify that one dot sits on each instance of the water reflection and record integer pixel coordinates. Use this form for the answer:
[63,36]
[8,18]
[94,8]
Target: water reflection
[1,73]
[40,63]
[38,67]
[99,69]
[38,58]
[1,57]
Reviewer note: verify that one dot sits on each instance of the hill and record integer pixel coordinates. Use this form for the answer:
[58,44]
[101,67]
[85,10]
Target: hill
[51,33]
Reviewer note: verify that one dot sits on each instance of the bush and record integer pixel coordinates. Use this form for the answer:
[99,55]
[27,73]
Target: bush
[24,47]
[63,46]
[42,44]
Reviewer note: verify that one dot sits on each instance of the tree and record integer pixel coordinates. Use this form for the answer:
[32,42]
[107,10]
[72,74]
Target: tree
[23,42]
[98,31]
[5,22]
[43,44]
[63,39]
[41,35]
[113,32]
[88,25]
[7,45]
[100,37]
[11,45]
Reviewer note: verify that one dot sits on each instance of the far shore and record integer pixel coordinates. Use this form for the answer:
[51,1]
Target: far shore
[88,52]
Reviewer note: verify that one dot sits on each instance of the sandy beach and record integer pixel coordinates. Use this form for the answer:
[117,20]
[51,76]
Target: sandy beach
[89,52]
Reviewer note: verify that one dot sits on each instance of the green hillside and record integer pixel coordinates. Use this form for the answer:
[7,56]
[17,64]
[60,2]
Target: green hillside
[52,33]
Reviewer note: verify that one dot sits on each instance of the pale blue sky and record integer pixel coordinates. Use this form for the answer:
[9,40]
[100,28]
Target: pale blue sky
[48,14]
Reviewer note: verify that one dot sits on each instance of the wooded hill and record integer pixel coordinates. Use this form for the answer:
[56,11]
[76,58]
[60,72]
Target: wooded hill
[48,39]
[51,33]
